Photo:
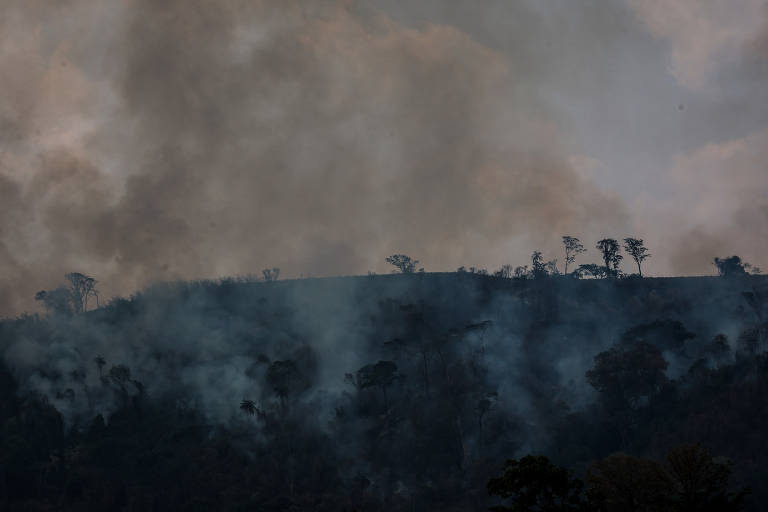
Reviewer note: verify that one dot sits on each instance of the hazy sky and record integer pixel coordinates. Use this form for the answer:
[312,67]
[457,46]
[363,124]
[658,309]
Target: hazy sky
[144,140]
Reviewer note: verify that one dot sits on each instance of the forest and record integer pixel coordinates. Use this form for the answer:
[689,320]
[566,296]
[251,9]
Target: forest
[521,389]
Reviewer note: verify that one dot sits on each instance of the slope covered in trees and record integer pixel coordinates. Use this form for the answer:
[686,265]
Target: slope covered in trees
[399,392]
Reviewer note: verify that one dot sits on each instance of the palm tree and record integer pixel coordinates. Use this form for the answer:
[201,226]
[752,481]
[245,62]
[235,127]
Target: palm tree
[248,407]
[120,375]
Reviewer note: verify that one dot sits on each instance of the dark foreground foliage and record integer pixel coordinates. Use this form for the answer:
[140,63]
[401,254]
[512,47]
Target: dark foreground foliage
[404,392]
[691,480]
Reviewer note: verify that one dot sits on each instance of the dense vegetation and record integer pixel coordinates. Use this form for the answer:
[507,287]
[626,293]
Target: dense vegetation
[400,392]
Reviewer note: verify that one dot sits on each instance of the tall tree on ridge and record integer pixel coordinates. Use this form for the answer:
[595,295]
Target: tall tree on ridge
[636,249]
[573,247]
[609,247]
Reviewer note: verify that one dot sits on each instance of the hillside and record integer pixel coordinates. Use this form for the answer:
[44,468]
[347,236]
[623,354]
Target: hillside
[395,392]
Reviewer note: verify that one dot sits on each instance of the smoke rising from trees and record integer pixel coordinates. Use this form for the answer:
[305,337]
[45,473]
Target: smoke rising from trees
[187,140]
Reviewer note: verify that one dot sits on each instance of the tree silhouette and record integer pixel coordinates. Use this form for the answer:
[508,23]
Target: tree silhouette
[701,481]
[285,379]
[522,272]
[538,266]
[731,266]
[82,288]
[271,274]
[609,248]
[622,483]
[403,263]
[485,404]
[381,374]
[691,481]
[628,372]
[56,301]
[120,375]
[573,248]
[71,299]
[551,267]
[591,269]
[248,407]
[636,249]
[533,483]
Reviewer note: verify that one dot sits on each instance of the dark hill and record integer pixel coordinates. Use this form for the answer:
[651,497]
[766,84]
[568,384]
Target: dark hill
[397,392]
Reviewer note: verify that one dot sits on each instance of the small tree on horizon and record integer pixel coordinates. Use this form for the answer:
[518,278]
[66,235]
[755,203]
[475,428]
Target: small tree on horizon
[551,267]
[81,288]
[591,269]
[731,266]
[609,248]
[522,272]
[58,301]
[538,266]
[573,247]
[271,274]
[71,299]
[405,264]
[636,249]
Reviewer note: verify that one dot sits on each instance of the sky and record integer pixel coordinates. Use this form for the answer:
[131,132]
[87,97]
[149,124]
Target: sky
[189,139]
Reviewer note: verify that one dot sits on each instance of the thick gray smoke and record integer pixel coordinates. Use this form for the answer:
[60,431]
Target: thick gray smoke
[144,141]
[200,139]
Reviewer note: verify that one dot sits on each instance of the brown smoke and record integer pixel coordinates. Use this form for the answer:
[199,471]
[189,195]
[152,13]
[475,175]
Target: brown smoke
[191,139]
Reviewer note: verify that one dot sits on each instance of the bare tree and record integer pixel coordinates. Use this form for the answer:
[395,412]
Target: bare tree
[636,249]
[404,263]
[609,247]
[573,247]
[81,289]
